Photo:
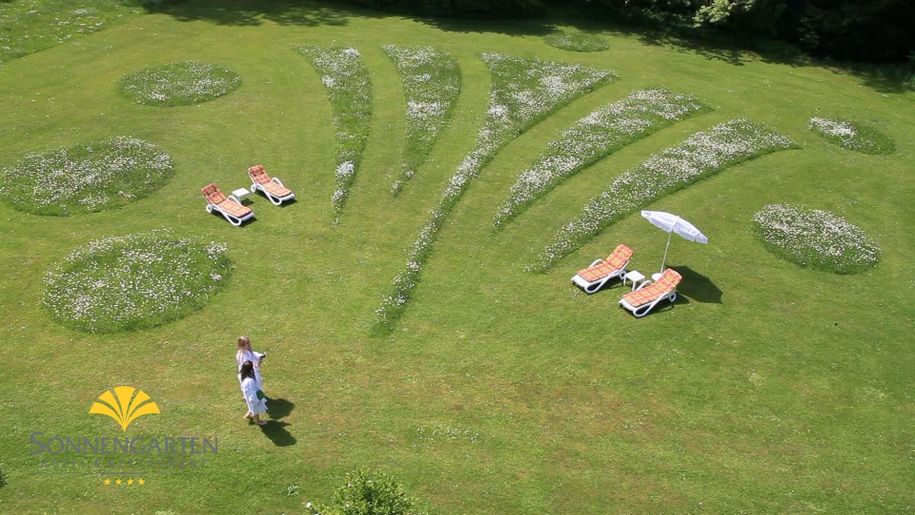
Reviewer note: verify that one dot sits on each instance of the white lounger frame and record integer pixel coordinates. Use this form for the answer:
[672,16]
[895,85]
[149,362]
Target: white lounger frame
[593,287]
[255,186]
[644,309]
[234,220]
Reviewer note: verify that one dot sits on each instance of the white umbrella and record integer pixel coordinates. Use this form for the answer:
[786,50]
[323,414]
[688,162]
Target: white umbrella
[671,224]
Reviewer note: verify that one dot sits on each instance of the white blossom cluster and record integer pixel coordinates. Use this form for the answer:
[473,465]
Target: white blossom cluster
[815,238]
[85,177]
[431,82]
[851,135]
[56,25]
[135,281]
[593,137]
[179,83]
[702,154]
[523,91]
[349,87]
[576,41]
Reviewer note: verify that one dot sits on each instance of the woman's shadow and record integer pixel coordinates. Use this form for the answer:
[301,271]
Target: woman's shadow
[275,429]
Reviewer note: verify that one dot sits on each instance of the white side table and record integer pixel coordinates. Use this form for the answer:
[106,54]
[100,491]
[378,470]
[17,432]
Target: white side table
[635,277]
[240,193]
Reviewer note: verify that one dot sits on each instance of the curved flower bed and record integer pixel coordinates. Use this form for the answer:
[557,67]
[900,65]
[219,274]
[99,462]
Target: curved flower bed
[815,238]
[431,82]
[349,87]
[593,137]
[523,91]
[702,154]
[576,41]
[852,135]
[85,178]
[132,282]
[179,83]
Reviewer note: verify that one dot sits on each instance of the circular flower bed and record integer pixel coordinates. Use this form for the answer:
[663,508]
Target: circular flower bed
[815,238]
[181,83]
[85,178]
[852,135]
[132,282]
[576,41]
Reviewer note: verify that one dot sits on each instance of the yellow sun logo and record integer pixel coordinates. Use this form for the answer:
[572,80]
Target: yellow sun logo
[123,406]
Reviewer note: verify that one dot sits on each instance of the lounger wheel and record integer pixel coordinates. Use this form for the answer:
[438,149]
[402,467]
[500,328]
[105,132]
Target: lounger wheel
[209,209]
[673,298]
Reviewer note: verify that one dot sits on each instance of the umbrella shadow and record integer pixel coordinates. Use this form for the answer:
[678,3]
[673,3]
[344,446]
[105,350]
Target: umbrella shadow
[698,287]
[279,408]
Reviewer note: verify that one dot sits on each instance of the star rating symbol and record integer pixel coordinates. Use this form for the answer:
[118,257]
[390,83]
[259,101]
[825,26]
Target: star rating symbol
[121,482]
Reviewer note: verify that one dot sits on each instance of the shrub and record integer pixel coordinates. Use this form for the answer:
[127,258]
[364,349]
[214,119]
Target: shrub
[85,178]
[365,493]
[179,83]
[815,238]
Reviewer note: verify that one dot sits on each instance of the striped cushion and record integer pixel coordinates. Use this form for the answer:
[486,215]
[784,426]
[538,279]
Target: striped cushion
[614,262]
[665,284]
[258,174]
[275,189]
[212,193]
[233,208]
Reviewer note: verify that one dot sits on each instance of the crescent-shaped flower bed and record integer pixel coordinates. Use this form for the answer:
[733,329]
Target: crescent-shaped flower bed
[594,137]
[85,178]
[179,83]
[349,87]
[523,92]
[133,282]
[815,238]
[431,82]
[702,154]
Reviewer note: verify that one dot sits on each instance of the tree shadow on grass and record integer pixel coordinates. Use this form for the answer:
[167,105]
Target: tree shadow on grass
[252,12]
[276,431]
[697,287]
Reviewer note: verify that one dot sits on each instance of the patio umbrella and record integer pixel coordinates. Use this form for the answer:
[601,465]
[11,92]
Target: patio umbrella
[671,224]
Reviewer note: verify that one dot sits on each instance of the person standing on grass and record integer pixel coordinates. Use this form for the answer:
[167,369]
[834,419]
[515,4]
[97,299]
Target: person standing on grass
[244,353]
[256,406]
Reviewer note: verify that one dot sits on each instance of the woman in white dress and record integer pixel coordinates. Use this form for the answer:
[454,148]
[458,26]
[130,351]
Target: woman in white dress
[249,388]
[245,353]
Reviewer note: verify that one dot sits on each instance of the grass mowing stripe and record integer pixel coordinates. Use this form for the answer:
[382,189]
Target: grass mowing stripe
[523,92]
[594,137]
[349,87]
[431,81]
[700,155]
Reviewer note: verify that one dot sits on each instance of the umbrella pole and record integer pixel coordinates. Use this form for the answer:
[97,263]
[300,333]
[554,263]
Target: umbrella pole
[665,251]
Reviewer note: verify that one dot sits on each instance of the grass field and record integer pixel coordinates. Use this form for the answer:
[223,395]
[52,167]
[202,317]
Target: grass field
[767,388]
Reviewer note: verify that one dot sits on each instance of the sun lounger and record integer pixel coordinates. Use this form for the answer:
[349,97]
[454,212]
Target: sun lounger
[229,207]
[601,271]
[641,301]
[271,187]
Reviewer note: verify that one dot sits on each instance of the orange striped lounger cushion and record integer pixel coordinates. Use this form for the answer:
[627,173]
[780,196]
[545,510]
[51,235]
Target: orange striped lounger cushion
[665,284]
[215,196]
[614,262]
[259,175]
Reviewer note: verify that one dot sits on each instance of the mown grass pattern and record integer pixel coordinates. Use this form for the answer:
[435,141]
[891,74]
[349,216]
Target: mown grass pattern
[132,282]
[852,135]
[815,238]
[179,83]
[592,138]
[523,91]
[85,178]
[576,41]
[702,154]
[349,87]
[431,81]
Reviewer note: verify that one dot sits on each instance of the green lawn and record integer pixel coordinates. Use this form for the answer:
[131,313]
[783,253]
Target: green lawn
[767,388]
